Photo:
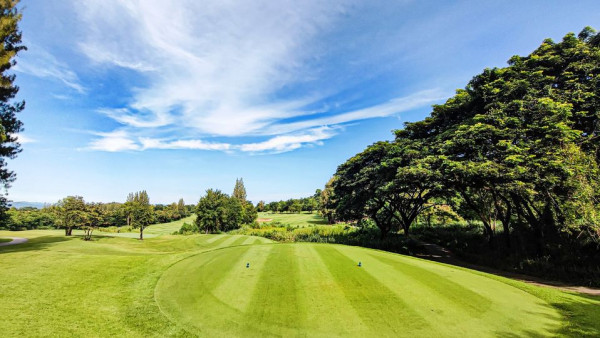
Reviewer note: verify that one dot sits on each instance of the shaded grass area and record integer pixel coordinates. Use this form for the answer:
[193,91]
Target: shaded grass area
[5,240]
[468,242]
[302,219]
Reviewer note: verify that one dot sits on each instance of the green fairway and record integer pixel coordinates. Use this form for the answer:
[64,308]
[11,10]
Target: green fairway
[303,219]
[168,228]
[313,289]
[200,285]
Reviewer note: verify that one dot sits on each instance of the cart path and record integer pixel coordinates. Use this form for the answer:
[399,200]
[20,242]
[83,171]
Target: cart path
[15,240]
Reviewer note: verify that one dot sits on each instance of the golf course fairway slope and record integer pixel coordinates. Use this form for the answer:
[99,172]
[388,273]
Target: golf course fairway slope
[319,290]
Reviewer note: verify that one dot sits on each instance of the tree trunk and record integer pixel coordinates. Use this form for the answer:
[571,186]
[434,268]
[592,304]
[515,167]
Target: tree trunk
[141,232]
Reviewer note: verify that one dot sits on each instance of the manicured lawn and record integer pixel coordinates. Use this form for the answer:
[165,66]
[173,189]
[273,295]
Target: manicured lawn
[303,219]
[168,228]
[199,285]
[5,240]
[151,230]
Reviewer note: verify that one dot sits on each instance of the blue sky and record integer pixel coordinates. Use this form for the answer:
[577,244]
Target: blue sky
[176,97]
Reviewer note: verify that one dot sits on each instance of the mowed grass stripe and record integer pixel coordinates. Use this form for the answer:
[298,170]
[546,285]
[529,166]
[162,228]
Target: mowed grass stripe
[275,306]
[219,242]
[241,281]
[323,296]
[239,240]
[375,303]
[249,240]
[215,238]
[461,297]
[184,291]
[501,307]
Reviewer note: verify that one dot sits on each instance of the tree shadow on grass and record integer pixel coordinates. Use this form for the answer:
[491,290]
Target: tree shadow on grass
[580,318]
[37,243]
[317,222]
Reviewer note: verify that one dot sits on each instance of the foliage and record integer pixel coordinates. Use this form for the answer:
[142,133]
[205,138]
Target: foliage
[10,126]
[71,213]
[139,211]
[293,205]
[517,148]
[31,218]
[188,229]
[216,212]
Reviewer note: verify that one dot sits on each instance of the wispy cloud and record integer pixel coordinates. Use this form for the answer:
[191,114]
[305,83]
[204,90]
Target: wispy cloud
[22,139]
[121,140]
[117,140]
[221,68]
[38,62]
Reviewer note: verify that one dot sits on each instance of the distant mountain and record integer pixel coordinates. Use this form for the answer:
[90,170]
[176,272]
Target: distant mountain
[22,204]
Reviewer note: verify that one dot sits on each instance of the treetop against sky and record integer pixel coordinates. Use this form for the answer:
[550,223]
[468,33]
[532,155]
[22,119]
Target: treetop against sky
[177,97]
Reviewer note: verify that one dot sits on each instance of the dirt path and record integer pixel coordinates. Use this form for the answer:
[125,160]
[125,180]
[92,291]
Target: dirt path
[443,255]
[15,240]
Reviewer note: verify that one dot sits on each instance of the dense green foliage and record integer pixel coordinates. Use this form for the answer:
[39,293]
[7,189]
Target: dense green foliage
[292,205]
[217,211]
[518,148]
[74,213]
[10,126]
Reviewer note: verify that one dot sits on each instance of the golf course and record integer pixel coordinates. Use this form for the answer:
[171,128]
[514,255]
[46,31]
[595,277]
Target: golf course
[235,285]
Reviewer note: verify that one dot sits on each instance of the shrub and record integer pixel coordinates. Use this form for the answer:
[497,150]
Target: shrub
[188,229]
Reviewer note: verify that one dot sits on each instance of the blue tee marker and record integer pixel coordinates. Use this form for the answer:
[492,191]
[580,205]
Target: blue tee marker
[247,265]
[359,264]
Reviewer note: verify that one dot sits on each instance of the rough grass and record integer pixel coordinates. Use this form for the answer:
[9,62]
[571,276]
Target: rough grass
[303,219]
[186,285]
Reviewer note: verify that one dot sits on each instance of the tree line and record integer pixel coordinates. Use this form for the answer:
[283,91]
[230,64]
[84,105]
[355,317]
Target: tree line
[292,205]
[517,149]
[73,212]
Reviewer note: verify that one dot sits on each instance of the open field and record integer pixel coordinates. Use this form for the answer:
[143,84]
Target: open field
[199,285]
[303,219]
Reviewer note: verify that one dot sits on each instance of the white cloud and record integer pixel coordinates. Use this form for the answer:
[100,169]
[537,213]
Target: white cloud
[392,107]
[38,62]
[148,143]
[22,139]
[121,140]
[220,68]
[283,143]
[117,140]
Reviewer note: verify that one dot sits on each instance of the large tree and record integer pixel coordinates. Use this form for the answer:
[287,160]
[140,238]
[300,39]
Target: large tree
[71,213]
[211,211]
[239,191]
[10,36]
[139,210]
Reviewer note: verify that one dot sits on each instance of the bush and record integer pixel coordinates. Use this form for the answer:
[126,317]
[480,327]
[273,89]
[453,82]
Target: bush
[365,236]
[188,229]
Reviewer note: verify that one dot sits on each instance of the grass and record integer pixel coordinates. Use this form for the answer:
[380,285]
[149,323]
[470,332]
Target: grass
[5,240]
[151,230]
[199,285]
[168,228]
[303,219]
